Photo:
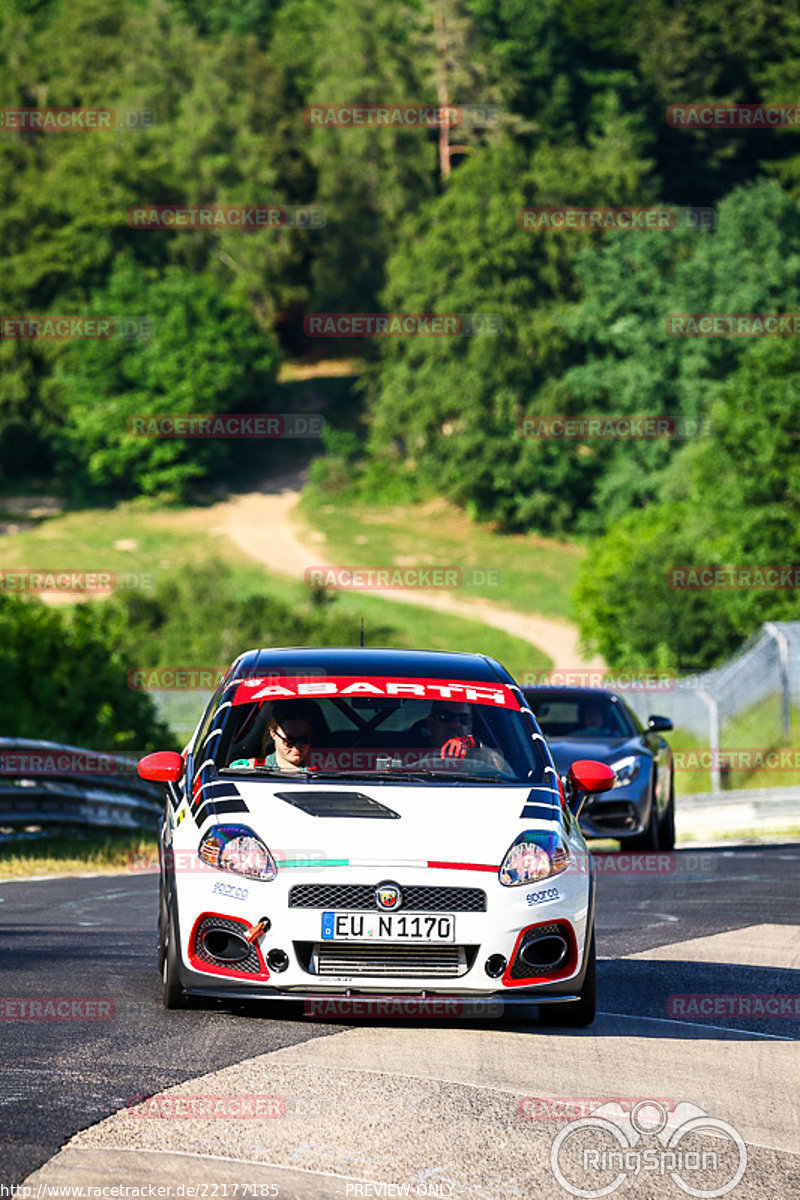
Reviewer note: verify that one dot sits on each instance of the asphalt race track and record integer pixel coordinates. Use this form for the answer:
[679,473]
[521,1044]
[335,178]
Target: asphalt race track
[436,1105]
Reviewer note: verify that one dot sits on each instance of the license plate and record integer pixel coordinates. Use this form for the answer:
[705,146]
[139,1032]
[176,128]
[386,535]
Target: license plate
[387,927]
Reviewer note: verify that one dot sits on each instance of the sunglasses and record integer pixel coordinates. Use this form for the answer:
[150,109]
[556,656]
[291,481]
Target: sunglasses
[452,717]
[301,739]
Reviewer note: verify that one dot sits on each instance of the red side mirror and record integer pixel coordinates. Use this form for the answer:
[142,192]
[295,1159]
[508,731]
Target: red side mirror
[165,766]
[589,776]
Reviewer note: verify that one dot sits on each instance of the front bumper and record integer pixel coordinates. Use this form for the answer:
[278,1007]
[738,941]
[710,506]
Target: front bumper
[566,900]
[620,813]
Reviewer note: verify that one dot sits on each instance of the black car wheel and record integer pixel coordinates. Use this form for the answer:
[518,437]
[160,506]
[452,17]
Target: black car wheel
[648,840]
[162,925]
[666,831]
[576,1013]
[172,992]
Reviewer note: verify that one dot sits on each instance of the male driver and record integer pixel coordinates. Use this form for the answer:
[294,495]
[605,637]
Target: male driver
[450,726]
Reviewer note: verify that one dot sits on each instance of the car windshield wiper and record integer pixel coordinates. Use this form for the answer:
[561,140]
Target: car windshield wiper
[405,776]
[398,776]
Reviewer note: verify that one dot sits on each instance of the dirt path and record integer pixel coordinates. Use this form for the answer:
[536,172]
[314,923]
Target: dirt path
[266,526]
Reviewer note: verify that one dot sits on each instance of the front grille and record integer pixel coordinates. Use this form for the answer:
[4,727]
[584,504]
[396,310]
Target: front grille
[362,896]
[342,958]
[250,965]
[521,970]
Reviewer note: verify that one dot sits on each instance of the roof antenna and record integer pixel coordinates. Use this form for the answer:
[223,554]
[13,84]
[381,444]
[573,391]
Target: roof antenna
[362,631]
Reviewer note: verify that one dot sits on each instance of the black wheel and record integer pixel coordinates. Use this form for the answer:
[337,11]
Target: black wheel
[575,1014]
[172,992]
[649,839]
[163,934]
[666,829]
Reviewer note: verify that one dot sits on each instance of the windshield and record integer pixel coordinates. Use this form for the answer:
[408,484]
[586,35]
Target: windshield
[582,716]
[451,731]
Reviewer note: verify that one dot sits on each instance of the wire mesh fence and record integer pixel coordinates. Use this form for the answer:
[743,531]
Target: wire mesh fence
[764,677]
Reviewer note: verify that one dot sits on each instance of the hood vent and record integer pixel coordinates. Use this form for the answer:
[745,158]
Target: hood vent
[338,804]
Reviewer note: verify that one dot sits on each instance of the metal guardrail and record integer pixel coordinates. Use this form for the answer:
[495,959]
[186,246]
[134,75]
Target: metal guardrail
[48,783]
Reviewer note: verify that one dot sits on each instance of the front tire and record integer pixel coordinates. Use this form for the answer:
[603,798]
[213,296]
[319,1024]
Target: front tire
[172,992]
[575,1014]
[648,840]
[666,832]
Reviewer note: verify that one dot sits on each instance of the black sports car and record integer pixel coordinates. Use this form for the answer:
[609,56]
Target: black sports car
[593,723]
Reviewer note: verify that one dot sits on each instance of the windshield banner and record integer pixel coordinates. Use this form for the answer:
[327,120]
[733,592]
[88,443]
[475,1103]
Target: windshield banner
[377,687]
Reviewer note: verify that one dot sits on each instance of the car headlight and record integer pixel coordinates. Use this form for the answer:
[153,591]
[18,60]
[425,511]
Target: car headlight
[626,769]
[533,856]
[237,849]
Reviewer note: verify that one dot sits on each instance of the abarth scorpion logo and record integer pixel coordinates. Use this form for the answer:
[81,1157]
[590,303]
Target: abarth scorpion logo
[388,896]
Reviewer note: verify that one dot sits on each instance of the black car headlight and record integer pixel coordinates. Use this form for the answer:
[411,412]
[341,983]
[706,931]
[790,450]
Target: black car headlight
[626,770]
[237,849]
[533,856]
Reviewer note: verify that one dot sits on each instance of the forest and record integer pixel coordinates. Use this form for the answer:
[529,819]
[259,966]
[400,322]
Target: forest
[559,104]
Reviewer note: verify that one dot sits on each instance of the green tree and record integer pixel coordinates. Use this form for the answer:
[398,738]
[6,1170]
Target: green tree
[65,679]
[447,410]
[200,354]
[734,503]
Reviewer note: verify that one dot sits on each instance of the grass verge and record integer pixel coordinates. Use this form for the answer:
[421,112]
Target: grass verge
[757,731]
[74,853]
[523,571]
